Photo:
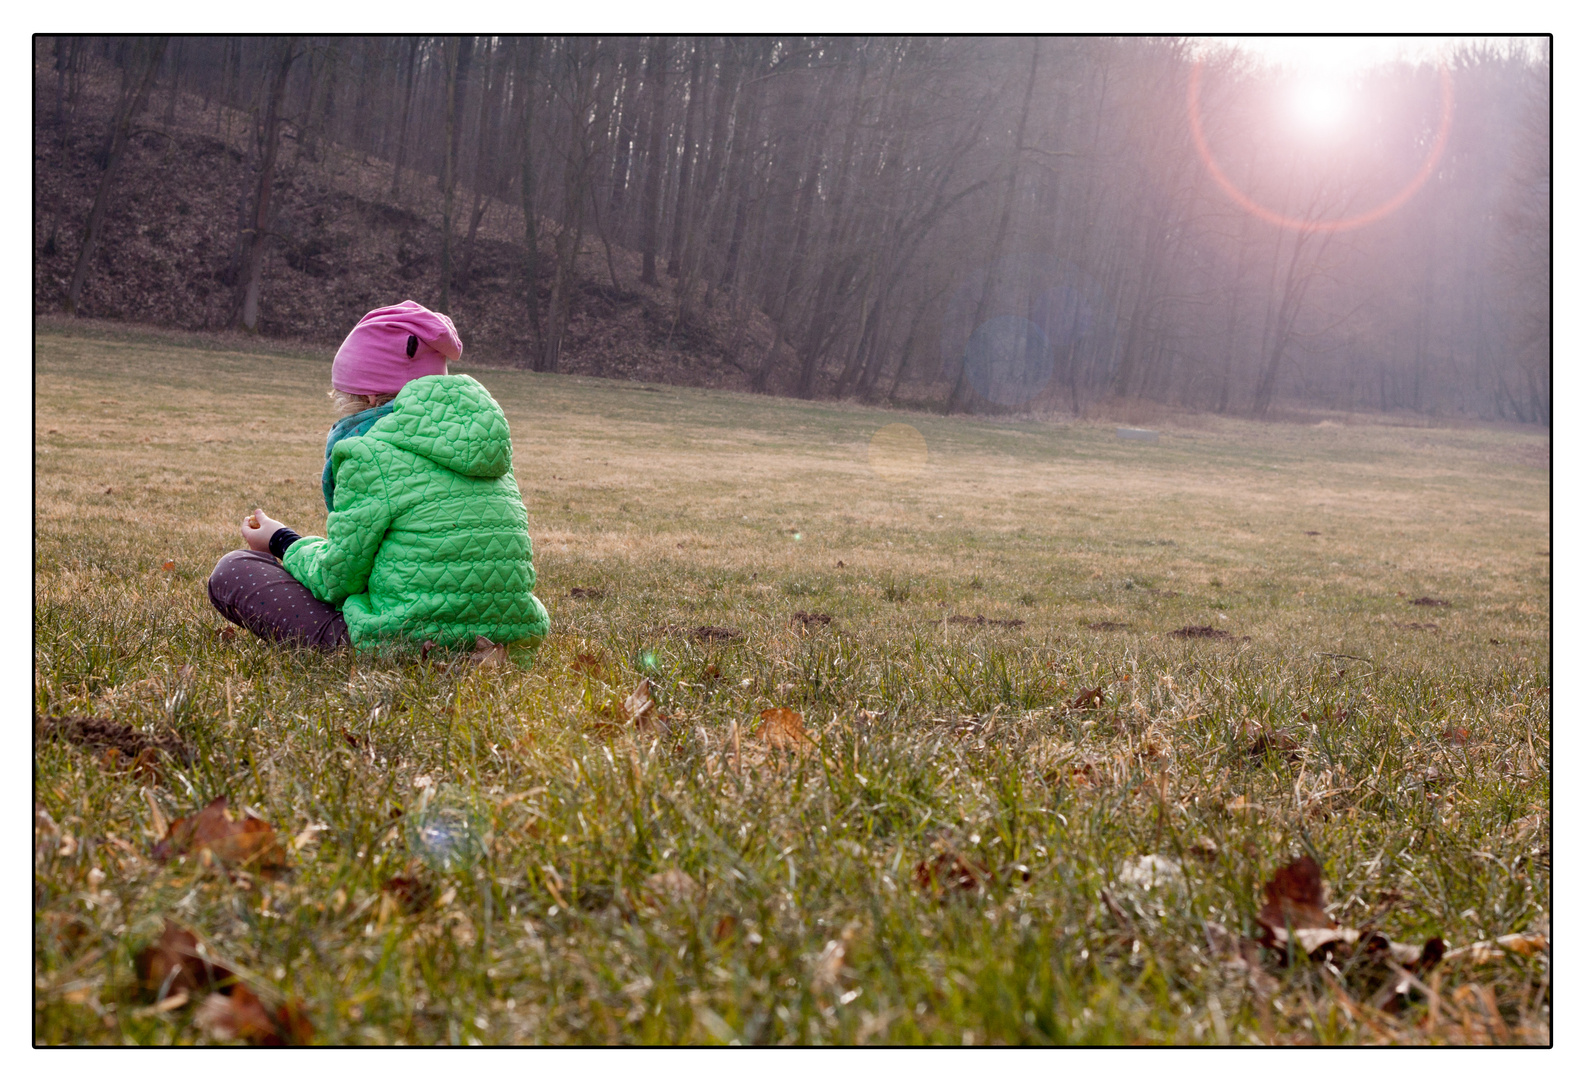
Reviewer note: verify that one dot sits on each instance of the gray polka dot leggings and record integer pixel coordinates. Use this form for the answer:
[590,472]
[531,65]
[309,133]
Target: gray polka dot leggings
[253,590]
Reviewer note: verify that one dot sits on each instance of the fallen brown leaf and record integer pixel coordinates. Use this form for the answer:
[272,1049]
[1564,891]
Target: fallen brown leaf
[586,664]
[638,709]
[1295,913]
[411,894]
[241,1015]
[487,653]
[950,872]
[175,964]
[1484,952]
[783,729]
[1088,699]
[1275,742]
[1295,900]
[168,565]
[250,843]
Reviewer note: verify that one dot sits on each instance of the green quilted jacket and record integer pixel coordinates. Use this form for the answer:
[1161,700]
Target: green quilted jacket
[428,535]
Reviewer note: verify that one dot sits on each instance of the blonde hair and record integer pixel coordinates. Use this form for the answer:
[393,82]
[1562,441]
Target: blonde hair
[348,404]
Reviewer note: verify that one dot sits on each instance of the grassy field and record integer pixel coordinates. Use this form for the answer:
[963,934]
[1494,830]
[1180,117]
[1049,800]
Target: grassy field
[950,854]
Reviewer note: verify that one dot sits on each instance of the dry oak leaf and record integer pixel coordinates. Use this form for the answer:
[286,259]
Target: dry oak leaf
[638,709]
[1088,699]
[487,653]
[249,843]
[1277,742]
[176,964]
[1484,952]
[1295,900]
[950,871]
[411,894]
[1295,909]
[168,565]
[586,663]
[241,1015]
[783,729]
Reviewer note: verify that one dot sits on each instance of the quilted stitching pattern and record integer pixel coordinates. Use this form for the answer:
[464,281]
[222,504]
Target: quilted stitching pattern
[428,538]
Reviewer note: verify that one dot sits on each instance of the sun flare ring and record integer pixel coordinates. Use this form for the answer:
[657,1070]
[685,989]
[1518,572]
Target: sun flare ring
[1286,221]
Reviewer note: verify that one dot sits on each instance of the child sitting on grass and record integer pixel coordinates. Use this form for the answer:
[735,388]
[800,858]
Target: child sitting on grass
[427,535]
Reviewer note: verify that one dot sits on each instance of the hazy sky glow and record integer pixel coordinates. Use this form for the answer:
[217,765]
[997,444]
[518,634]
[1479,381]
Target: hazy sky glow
[1343,55]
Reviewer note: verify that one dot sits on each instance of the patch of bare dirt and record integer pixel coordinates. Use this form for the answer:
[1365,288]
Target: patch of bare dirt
[101,734]
[1201,632]
[981,620]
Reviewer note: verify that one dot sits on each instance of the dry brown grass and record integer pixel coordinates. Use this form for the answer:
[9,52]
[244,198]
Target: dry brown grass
[1418,776]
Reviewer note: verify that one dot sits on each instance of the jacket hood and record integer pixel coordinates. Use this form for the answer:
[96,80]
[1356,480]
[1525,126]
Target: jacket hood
[453,421]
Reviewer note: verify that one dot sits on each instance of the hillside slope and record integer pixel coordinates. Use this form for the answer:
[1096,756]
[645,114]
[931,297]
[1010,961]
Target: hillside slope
[342,246]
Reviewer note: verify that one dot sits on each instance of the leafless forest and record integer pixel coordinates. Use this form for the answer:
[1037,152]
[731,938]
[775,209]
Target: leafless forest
[967,224]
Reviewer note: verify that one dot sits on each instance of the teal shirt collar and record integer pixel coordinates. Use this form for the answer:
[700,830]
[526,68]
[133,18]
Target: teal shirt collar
[346,428]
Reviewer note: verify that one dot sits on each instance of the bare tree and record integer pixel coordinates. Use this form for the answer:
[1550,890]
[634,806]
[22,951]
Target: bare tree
[137,78]
[267,140]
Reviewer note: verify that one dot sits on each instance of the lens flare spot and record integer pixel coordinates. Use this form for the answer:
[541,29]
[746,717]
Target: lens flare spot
[1320,106]
[898,452]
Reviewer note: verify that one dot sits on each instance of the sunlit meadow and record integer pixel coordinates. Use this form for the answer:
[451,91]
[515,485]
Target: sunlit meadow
[951,851]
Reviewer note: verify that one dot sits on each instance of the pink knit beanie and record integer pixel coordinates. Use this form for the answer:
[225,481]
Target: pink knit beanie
[392,346]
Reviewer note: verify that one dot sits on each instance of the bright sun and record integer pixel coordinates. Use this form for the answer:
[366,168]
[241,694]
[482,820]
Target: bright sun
[1320,106]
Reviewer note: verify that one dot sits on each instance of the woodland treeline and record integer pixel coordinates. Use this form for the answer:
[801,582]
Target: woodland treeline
[979,224]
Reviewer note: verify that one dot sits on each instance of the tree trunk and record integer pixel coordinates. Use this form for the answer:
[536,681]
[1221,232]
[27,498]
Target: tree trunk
[960,391]
[134,94]
[459,51]
[623,107]
[529,80]
[680,214]
[176,82]
[655,171]
[269,145]
[407,111]
[577,178]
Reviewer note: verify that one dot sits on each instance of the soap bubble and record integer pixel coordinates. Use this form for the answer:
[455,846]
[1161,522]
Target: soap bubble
[444,831]
[1022,326]
[1009,360]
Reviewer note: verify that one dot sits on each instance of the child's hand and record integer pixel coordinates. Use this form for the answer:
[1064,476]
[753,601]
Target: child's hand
[257,529]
